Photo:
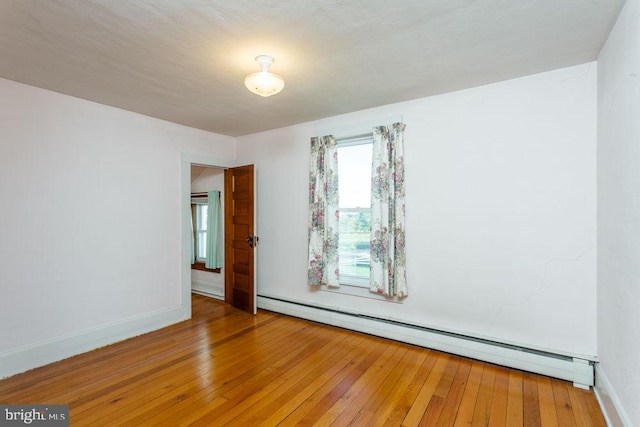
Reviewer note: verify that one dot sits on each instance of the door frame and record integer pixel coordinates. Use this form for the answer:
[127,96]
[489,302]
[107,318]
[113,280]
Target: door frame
[186,161]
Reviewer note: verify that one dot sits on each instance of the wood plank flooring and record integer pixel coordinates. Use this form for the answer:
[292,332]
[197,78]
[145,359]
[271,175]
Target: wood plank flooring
[226,367]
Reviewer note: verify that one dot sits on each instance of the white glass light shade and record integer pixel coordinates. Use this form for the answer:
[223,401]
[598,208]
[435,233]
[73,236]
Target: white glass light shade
[264,83]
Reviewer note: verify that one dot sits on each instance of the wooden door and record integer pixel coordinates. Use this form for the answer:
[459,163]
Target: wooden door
[240,239]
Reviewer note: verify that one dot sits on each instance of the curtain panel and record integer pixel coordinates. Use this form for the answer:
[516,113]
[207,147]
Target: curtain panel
[388,258]
[215,255]
[193,239]
[323,266]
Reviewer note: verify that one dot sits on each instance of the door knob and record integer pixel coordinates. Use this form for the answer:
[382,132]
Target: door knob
[253,241]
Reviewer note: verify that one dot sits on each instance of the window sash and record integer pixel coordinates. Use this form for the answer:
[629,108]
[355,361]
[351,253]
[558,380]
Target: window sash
[201,233]
[350,279]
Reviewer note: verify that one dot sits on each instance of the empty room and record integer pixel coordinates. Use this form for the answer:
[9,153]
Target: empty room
[320,213]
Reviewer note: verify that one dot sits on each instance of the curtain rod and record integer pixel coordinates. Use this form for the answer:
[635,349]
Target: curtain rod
[351,140]
[203,194]
[324,127]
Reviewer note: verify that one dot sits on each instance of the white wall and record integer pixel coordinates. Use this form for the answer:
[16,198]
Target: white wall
[619,213]
[207,179]
[90,217]
[501,193]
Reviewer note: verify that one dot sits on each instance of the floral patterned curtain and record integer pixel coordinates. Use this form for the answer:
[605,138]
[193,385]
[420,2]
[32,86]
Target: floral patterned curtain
[388,257]
[323,267]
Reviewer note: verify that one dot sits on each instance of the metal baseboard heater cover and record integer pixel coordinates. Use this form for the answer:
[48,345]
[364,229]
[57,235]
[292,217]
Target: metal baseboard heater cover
[578,371]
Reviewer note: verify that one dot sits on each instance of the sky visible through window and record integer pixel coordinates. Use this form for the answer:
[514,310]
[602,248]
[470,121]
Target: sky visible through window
[201,213]
[354,172]
[354,186]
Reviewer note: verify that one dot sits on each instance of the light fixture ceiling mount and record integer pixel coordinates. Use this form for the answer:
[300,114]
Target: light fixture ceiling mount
[264,83]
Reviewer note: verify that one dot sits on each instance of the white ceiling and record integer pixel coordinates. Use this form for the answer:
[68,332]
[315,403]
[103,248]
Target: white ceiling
[185,61]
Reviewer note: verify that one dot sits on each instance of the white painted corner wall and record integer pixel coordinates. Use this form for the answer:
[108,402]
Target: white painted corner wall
[501,216]
[90,223]
[618,374]
[501,211]
[613,410]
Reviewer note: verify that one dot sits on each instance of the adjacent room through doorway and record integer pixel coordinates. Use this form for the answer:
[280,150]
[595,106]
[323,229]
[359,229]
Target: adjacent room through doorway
[207,280]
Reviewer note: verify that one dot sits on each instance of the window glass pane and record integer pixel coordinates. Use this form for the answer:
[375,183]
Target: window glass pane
[354,176]
[354,244]
[202,244]
[201,235]
[202,217]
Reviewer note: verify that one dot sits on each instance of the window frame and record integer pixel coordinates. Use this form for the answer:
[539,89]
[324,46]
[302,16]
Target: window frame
[198,230]
[344,142]
[200,263]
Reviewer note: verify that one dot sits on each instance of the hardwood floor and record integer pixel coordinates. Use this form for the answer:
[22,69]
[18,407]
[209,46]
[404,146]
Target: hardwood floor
[227,367]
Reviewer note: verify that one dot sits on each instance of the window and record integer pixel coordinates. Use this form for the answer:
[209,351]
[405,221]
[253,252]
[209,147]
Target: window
[354,182]
[199,214]
[201,232]
[345,200]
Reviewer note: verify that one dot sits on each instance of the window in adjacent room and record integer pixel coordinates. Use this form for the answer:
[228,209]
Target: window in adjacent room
[201,232]
[354,181]
[199,215]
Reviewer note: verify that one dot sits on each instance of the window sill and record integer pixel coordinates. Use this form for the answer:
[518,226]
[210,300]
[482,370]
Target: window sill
[357,281]
[200,266]
[359,291]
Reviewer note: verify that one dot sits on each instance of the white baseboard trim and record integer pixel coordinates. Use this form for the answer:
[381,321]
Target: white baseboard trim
[55,349]
[207,294]
[207,289]
[578,371]
[612,409]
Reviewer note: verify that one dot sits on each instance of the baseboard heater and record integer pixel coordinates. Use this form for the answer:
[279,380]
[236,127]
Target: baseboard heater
[578,371]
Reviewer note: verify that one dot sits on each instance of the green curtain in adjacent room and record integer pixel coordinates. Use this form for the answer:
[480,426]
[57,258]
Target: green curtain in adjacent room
[193,240]
[215,255]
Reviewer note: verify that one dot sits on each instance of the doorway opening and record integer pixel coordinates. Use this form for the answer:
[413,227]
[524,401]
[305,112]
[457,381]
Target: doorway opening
[205,281]
[239,281]
[187,161]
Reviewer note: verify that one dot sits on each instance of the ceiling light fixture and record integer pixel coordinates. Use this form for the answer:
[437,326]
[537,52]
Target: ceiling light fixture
[264,83]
